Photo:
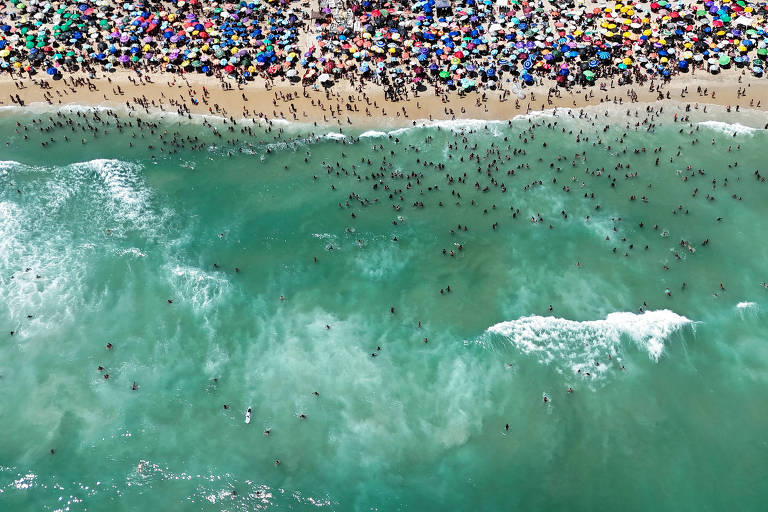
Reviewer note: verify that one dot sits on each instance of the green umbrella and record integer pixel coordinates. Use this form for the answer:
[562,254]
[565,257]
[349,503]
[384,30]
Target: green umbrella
[762,52]
[757,62]
[724,60]
[725,18]
[589,75]
[444,74]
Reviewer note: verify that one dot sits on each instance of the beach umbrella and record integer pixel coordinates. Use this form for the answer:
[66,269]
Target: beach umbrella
[724,60]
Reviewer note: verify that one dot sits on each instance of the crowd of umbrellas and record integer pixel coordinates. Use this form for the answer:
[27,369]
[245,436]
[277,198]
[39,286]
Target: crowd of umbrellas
[451,44]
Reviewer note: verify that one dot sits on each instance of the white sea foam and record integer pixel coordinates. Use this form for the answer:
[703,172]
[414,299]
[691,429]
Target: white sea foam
[373,133]
[132,251]
[6,165]
[574,345]
[335,136]
[746,305]
[197,287]
[729,128]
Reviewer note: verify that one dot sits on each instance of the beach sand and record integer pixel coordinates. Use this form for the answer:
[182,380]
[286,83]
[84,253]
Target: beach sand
[344,106]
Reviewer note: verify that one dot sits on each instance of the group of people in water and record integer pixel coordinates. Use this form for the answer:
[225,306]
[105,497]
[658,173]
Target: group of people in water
[490,173]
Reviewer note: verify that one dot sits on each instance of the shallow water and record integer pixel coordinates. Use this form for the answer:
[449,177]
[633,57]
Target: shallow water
[666,410]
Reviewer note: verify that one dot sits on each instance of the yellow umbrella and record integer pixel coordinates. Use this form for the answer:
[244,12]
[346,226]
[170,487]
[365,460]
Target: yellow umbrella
[5,53]
[664,60]
[627,61]
[687,55]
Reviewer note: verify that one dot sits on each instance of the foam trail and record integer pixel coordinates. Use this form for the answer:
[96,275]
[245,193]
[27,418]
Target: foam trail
[729,128]
[746,305]
[576,345]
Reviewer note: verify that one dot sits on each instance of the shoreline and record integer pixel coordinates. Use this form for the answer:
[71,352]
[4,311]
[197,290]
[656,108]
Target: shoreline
[345,107]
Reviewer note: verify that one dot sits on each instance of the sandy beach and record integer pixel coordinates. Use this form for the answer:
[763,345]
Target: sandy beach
[345,105]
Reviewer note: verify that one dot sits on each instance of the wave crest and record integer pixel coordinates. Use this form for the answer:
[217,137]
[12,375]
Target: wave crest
[576,345]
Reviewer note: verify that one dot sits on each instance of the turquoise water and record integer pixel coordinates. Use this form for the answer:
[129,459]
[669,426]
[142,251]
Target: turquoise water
[667,410]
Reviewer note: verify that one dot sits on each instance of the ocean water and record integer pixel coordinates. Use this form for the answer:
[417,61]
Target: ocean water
[617,394]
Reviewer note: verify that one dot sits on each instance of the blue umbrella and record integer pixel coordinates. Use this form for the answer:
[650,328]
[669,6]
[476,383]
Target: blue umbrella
[51,71]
